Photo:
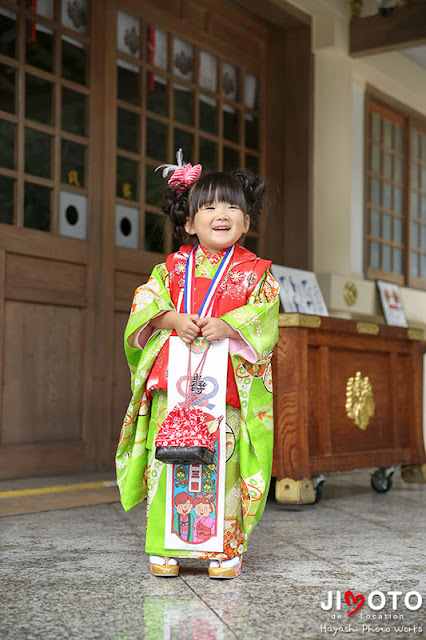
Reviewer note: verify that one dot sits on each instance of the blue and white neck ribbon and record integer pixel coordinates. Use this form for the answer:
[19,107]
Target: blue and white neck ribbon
[207,304]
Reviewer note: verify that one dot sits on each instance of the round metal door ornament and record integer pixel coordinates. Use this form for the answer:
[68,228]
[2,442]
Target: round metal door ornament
[350,293]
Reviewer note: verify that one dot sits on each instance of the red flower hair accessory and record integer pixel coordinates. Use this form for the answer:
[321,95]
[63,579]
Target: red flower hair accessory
[183,174]
[186,175]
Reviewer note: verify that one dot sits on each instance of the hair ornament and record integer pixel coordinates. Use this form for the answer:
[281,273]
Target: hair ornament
[183,174]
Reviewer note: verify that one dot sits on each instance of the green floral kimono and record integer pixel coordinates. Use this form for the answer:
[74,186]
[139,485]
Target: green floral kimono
[249,440]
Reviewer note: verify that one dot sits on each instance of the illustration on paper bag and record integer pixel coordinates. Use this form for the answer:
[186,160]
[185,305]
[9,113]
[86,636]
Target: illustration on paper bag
[195,498]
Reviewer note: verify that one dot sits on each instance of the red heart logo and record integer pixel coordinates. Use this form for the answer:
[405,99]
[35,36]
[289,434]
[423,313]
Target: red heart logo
[360,598]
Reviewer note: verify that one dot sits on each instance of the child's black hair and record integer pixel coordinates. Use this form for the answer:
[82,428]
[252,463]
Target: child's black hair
[241,187]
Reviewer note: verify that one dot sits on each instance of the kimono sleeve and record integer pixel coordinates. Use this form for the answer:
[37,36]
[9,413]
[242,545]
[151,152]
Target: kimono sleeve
[150,300]
[257,321]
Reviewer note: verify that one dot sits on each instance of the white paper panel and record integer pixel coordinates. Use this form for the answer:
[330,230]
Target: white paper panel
[73,215]
[208,71]
[74,15]
[183,59]
[126,226]
[158,49]
[128,34]
[7,14]
[229,81]
[250,90]
[45,8]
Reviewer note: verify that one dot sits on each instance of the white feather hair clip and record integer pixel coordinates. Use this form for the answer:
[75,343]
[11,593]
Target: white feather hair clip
[168,168]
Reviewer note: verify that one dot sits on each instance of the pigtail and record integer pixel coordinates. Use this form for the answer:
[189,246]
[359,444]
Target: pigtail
[175,201]
[175,205]
[254,190]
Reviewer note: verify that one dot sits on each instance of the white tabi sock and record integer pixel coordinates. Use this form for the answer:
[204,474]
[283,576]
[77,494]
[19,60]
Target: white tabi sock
[228,564]
[161,560]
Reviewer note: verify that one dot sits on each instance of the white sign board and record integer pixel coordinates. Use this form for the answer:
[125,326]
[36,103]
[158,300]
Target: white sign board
[299,291]
[391,299]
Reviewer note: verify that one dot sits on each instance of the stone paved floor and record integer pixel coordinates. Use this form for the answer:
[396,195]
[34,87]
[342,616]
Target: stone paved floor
[81,573]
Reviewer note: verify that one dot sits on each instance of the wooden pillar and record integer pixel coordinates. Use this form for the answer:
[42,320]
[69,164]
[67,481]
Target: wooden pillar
[289,161]
[291,446]
[416,472]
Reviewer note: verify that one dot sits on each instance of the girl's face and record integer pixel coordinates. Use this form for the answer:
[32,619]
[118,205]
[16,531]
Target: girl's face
[203,510]
[218,225]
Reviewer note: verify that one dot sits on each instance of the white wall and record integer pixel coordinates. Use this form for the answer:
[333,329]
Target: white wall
[357,180]
[338,171]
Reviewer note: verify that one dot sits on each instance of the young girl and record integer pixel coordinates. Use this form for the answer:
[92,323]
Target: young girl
[215,210]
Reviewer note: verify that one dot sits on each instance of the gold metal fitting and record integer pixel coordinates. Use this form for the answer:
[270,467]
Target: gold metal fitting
[299,320]
[356,7]
[369,328]
[350,293]
[414,473]
[360,405]
[415,334]
[292,491]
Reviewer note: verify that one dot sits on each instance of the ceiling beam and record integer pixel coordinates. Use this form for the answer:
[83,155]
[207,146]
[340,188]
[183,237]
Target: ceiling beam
[280,13]
[405,27]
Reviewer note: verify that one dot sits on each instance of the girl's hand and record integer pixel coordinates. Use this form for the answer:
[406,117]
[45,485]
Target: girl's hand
[216,329]
[185,325]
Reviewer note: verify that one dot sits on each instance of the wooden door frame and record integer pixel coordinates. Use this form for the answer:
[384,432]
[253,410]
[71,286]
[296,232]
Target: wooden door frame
[78,455]
[290,116]
[100,280]
[289,168]
[287,238]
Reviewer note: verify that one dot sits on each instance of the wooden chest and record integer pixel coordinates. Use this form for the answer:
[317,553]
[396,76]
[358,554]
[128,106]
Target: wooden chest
[347,395]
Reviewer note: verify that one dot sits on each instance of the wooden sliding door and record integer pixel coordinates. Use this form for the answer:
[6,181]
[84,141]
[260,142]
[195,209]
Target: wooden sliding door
[93,96]
[50,188]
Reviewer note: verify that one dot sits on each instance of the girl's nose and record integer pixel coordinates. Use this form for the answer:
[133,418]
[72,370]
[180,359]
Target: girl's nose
[222,210]
[222,215]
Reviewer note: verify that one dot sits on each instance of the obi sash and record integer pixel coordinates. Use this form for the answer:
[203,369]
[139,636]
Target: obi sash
[203,531]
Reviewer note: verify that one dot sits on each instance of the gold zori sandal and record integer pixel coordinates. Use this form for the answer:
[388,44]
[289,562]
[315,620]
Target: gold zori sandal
[226,572]
[165,570]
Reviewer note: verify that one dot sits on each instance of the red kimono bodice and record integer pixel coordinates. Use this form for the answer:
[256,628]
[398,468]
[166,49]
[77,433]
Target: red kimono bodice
[234,292]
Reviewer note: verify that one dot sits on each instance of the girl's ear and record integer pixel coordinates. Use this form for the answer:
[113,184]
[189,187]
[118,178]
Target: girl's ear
[246,223]
[189,228]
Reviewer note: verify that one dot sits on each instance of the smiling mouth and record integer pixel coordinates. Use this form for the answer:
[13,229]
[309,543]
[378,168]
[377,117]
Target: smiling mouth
[221,228]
